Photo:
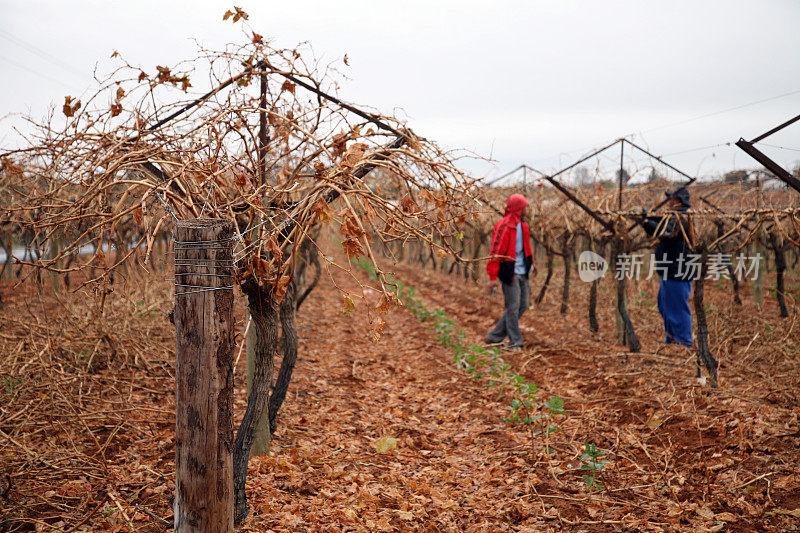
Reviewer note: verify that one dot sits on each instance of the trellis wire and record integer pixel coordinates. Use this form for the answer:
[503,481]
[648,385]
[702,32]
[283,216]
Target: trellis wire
[217,244]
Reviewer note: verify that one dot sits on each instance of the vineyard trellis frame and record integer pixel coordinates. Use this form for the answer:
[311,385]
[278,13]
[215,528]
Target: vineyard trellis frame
[779,172]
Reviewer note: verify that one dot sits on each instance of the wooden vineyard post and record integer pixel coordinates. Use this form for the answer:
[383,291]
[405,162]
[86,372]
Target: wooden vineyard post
[758,282]
[779,249]
[7,245]
[599,248]
[54,250]
[704,356]
[619,326]
[625,333]
[566,248]
[262,436]
[549,268]
[204,374]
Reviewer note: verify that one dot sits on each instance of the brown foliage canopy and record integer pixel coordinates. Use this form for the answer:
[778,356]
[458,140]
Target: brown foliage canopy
[259,149]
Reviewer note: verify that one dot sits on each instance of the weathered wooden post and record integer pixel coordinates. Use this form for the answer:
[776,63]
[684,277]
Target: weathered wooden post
[625,333]
[779,249]
[7,245]
[594,325]
[566,249]
[54,249]
[204,374]
[549,268]
[758,281]
[704,355]
[262,437]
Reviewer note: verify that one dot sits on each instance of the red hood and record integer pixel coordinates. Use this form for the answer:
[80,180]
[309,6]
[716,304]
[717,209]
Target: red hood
[514,206]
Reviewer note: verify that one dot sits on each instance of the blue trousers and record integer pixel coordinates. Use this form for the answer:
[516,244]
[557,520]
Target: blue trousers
[673,304]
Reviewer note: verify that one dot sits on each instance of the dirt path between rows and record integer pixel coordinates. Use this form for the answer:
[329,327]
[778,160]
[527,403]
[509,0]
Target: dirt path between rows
[456,465]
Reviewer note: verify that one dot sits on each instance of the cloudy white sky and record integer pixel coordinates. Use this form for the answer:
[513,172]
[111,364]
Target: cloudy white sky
[537,82]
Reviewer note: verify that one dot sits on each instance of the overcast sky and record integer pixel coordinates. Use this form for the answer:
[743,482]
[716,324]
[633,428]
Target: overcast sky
[537,82]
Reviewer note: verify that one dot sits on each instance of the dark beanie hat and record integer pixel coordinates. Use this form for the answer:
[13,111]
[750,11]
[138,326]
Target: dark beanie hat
[681,194]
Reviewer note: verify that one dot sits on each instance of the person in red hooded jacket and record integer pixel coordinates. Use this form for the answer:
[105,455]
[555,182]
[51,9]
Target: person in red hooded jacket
[511,261]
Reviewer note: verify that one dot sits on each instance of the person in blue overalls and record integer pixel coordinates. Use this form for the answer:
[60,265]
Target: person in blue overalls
[672,253]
